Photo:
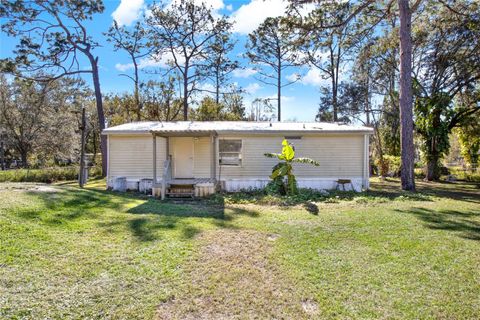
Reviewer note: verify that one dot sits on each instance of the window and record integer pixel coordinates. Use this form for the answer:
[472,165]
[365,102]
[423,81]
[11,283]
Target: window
[230,152]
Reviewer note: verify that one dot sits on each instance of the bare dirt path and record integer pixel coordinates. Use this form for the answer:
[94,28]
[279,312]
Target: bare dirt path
[232,278]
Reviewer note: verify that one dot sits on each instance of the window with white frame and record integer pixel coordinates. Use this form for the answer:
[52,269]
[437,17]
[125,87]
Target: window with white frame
[230,152]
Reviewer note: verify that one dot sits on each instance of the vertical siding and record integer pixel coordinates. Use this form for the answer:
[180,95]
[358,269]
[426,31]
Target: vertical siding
[132,156]
[339,156]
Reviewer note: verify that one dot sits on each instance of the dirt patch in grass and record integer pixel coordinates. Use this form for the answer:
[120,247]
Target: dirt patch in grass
[232,277]
[25,186]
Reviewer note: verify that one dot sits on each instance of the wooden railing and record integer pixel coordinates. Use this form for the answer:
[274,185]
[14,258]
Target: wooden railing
[167,175]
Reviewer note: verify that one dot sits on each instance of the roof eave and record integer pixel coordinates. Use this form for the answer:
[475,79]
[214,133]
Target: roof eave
[216,132]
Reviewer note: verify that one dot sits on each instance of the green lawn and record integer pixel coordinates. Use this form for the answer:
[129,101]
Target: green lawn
[67,253]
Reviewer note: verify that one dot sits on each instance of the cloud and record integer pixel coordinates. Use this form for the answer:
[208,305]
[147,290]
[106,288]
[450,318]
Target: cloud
[162,61]
[249,16]
[244,73]
[216,5]
[229,7]
[127,12]
[122,67]
[282,98]
[143,63]
[313,77]
[252,88]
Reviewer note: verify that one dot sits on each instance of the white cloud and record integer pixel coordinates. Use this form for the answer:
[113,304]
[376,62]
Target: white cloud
[162,61]
[229,7]
[314,78]
[293,77]
[282,98]
[122,67]
[252,88]
[249,16]
[244,73]
[216,5]
[127,12]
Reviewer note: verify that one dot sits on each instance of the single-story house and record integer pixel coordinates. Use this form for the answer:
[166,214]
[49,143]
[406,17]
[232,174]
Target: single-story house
[230,155]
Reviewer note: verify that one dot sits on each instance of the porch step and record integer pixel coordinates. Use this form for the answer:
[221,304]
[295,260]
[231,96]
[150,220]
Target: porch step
[179,194]
[180,191]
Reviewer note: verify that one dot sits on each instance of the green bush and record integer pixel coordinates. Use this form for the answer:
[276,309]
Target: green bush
[45,175]
[392,165]
[465,175]
[419,173]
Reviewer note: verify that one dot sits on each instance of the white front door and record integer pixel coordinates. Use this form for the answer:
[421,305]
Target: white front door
[182,157]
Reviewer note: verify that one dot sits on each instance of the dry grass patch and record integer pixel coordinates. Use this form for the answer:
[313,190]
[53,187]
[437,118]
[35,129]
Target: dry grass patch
[233,277]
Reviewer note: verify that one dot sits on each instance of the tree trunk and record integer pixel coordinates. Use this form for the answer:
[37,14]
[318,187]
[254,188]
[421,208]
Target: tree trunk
[406,97]
[279,91]
[383,170]
[2,154]
[81,176]
[433,171]
[217,86]
[101,114]
[24,158]
[136,92]
[185,92]
[334,85]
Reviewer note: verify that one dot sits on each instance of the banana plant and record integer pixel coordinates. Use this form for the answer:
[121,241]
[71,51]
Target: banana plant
[282,175]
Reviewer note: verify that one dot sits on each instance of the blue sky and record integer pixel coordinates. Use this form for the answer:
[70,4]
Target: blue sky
[299,101]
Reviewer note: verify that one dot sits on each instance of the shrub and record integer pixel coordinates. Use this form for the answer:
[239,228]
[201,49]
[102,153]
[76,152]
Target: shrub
[465,175]
[45,175]
[392,165]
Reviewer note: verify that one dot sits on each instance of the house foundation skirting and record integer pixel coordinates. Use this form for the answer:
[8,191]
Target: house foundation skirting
[239,184]
[235,185]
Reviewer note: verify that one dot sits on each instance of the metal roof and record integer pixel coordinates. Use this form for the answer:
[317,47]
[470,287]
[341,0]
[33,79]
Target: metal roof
[233,127]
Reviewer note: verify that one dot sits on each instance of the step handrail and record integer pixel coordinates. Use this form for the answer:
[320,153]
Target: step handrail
[167,175]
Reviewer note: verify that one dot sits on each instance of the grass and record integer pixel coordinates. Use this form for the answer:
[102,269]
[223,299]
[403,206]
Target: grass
[70,253]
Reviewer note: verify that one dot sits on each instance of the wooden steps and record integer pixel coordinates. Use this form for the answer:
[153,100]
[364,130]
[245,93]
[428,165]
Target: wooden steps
[180,191]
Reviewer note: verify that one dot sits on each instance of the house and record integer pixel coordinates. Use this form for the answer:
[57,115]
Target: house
[191,156]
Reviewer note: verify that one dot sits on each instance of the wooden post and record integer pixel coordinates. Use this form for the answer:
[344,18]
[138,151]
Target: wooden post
[213,166]
[81,176]
[154,160]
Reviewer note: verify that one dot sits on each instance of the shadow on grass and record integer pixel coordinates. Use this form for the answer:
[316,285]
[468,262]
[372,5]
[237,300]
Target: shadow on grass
[157,215]
[462,191]
[145,221]
[459,222]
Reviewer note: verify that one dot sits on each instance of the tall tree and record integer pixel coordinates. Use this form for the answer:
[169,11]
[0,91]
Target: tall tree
[52,36]
[33,112]
[185,32]
[132,41]
[446,71]
[271,49]
[219,65]
[329,50]
[406,97]
[161,102]
[234,106]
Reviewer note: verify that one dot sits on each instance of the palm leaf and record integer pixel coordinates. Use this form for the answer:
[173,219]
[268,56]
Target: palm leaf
[280,170]
[307,161]
[274,155]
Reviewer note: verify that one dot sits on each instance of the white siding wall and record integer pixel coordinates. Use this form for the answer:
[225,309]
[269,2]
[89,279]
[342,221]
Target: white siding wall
[339,156]
[132,156]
